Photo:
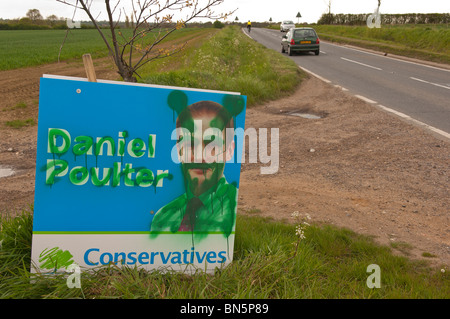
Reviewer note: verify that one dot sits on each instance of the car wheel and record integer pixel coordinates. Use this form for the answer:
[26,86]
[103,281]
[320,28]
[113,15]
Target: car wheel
[317,52]
[289,51]
[282,49]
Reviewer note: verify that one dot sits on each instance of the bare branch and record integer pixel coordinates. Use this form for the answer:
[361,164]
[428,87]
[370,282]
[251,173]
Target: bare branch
[147,17]
[69,4]
[62,44]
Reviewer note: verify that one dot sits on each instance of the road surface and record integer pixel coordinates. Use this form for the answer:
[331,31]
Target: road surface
[409,89]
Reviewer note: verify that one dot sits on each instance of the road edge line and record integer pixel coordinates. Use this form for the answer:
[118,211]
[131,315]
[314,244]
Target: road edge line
[365,99]
[313,74]
[387,109]
[409,118]
[243,31]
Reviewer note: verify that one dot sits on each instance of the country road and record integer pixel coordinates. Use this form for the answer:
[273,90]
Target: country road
[409,89]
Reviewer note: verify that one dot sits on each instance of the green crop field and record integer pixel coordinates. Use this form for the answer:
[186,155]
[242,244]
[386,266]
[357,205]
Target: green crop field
[23,48]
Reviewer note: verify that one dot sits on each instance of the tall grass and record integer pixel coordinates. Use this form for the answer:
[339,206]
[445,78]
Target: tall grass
[330,263]
[230,61]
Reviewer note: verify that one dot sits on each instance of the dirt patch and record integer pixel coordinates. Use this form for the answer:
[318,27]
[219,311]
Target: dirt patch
[355,166]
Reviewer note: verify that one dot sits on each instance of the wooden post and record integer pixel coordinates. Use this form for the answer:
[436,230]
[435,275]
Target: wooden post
[89,67]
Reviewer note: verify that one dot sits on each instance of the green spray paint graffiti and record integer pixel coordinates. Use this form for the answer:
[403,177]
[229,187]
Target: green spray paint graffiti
[60,142]
[209,202]
[55,258]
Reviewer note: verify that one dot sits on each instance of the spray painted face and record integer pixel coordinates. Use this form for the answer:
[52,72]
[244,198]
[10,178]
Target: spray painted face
[203,150]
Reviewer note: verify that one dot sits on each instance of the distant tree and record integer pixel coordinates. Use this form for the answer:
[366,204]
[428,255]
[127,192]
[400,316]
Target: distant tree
[52,19]
[270,20]
[25,21]
[34,15]
[218,25]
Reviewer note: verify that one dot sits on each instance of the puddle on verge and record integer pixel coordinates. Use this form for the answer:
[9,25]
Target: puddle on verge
[305,115]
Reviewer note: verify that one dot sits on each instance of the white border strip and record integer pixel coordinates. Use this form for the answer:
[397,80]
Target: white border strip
[70,78]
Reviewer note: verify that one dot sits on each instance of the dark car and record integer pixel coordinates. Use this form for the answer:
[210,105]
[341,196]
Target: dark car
[300,40]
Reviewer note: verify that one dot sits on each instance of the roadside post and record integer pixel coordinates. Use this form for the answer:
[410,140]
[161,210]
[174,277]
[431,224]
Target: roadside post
[89,67]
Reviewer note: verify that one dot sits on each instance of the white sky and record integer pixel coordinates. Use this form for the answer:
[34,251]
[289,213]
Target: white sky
[254,10]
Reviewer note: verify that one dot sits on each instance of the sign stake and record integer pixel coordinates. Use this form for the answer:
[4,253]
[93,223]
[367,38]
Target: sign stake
[89,67]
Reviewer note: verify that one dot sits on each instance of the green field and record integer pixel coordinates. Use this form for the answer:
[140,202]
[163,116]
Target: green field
[23,48]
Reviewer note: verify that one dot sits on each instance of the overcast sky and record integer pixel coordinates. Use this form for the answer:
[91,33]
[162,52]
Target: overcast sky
[254,10]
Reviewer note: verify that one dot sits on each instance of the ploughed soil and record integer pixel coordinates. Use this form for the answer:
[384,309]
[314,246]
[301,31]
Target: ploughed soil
[356,166]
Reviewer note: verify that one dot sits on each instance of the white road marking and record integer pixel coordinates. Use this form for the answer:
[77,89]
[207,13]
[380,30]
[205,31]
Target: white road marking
[246,33]
[439,85]
[400,114]
[409,118]
[390,57]
[363,64]
[313,74]
[394,111]
[365,99]
[340,87]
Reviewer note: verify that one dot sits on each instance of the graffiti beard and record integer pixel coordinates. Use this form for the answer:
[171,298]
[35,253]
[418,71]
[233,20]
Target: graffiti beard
[199,177]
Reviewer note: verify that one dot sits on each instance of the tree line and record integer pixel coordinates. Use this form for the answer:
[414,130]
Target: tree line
[393,19]
[35,21]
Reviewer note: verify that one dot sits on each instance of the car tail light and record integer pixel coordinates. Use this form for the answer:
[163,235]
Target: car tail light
[292,42]
[317,41]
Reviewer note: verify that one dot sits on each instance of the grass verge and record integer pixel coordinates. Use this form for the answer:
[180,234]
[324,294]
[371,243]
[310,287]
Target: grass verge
[230,61]
[329,263]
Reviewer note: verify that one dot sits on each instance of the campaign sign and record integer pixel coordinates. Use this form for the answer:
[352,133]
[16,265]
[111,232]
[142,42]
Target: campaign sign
[135,175]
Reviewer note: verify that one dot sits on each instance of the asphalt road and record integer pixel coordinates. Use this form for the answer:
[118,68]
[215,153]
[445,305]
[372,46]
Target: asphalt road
[419,91]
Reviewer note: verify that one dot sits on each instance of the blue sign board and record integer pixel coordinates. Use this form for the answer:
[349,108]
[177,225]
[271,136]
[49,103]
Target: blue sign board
[135,174]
